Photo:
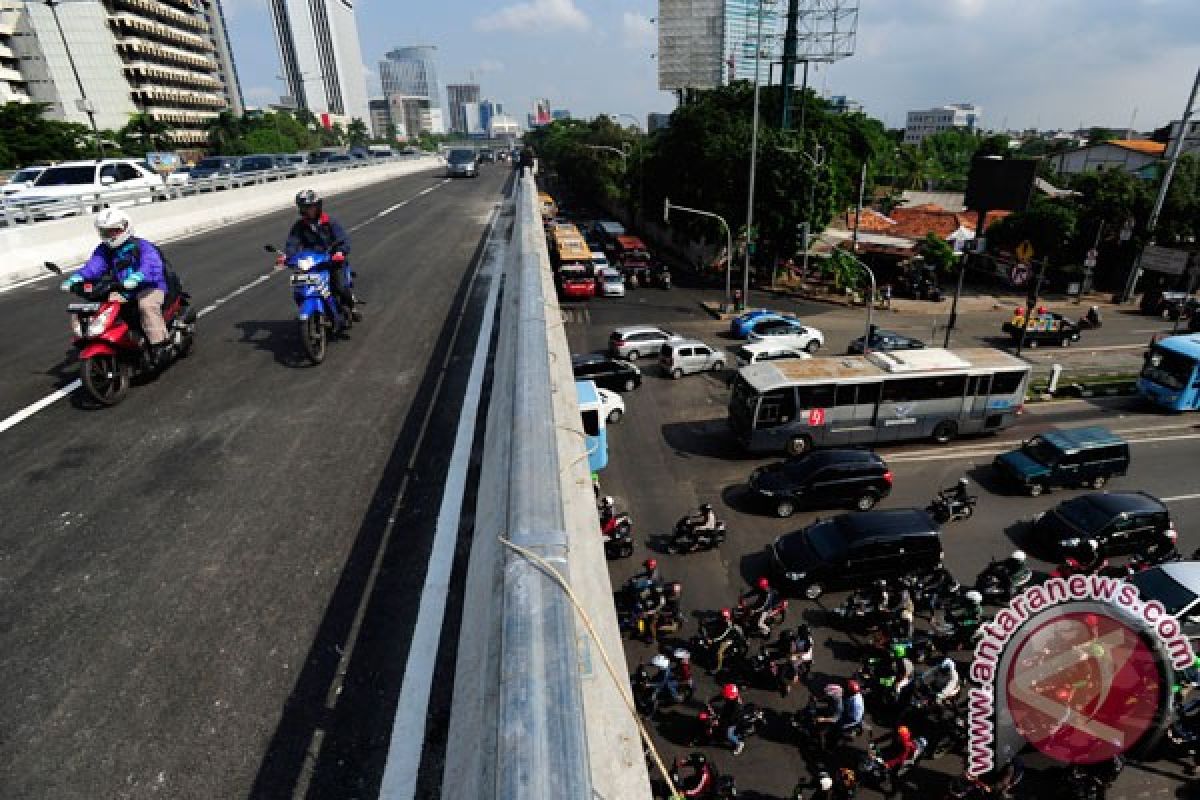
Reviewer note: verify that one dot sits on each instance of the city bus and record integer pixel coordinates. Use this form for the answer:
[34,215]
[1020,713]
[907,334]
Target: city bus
[592,414]
[572,260]
[882,397]
[1170,378]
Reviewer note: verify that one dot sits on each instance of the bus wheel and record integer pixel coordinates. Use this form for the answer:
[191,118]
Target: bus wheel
[944,431]
[798,445]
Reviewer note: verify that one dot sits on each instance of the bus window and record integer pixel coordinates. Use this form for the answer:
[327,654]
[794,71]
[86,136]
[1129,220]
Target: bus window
[819,396]
[591,422]
[1007,382]
[908,390]
[845,395]
[777,407]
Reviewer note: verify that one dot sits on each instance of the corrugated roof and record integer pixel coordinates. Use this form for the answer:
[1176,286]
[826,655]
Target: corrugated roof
[1144,146]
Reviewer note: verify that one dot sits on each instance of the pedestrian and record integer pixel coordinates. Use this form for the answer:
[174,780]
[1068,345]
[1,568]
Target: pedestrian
[887,296]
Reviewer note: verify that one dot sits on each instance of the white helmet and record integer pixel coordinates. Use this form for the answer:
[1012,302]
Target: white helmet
[974,597]
[114,227]
[660,661]
[607,500]
[825,783]
[1018,556]
[682,655]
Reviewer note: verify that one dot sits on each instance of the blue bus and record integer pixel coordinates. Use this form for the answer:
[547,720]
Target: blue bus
[591,410]
[1171,377]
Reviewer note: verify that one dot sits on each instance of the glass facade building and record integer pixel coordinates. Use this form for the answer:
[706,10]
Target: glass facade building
[321,56]
[412,72]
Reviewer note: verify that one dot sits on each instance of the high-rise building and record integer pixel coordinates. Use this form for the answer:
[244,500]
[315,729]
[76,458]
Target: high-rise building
[14,87]
[922,124]
[169,59]
[411,72]
[657,121]
[381,118]
[457,94]
[321,56]
[703,44]
[541,113]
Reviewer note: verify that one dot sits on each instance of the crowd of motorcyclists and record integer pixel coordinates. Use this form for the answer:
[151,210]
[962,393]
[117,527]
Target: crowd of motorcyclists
[906,700]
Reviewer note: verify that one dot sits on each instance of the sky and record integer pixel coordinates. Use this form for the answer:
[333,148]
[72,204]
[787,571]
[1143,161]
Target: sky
[1028,63]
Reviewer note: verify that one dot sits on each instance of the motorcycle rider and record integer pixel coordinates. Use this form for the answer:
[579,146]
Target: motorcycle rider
[694,525]
[664,681]
[729,707]
[956,494]
[897,754]
[901,669]
[316,230]
[137,265]
[648,577]
[729,636]
[942,681]
[758,603]
[854,708]
[660,604]
[1093,317]
[795,649]
[834,708]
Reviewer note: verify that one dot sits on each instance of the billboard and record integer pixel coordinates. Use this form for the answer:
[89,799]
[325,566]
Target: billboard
[690,44]
[1164,260]
[1000,184]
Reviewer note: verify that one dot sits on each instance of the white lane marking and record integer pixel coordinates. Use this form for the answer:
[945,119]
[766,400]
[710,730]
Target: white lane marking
[408,730]
[1180,498]
[18,284]
[998,447]
[30,410]
[991,452]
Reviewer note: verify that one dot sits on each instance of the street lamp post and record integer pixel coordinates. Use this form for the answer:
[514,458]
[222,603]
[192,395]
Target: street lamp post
[753,158]
[667,206]
[85,105]
[641,161]
[870,304]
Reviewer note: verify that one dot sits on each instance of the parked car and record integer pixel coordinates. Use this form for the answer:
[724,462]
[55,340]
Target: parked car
[461,162]
[787,331]
[1119,522]
[256,164]
[679,357]
[821,479]
[178,177]
[755,352]
[606,372]
[609,282]
[97,176]
[214,166]
[1168,304]
[851,551]
[339,159]
[1177,586]
[886,341]
[634,341]
[613,405]
[740,325]
[1044,328]
[1068,457]
[599,260]
[21,179]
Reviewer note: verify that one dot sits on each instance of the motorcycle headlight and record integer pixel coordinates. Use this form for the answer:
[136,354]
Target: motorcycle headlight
[1071,543]
[76,326]
[99,323]
[305,263]
[794,576]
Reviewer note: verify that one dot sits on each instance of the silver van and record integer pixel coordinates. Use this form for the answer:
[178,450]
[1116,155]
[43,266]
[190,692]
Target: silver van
[754,352]
[684,356]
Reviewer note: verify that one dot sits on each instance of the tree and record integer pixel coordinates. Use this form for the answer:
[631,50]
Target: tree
[143,133]
[1049,225]
[937,253]
[225,134]
[28,137]
[357,133]
[1179,221]
[1100,135]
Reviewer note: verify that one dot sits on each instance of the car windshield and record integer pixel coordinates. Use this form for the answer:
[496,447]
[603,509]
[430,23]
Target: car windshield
[826,541]
[22,175]
[67,176]
[1155,584]
[258,163]
[611,278]
[1041,451]
[1168,368]
[1084,515]
[210,163]
[460,156]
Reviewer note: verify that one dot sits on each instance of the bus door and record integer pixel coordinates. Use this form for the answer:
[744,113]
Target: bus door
[854,413]
[979,387]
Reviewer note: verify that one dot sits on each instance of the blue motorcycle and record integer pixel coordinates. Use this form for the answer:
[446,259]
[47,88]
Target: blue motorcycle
[319,311]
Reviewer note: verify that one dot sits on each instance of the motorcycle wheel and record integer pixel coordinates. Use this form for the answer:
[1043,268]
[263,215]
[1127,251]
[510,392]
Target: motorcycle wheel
[106,379]
[312,337]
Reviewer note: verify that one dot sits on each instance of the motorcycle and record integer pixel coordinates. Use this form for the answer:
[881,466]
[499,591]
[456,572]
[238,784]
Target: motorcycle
[1091,320]
[1092,781]
[747,617]
[856,614]
[704,642]
[107,332]
[319,311]
[998,582]
[948,508]
[688,539]
[617,530]
[873,770]
[705,781]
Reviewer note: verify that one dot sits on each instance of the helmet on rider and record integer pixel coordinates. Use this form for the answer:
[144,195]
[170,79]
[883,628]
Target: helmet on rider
[114,227]
[607,501]
[1018,556]
[904,734]
[306,200]
[660,661]
[852,687]
[763,584]
[726,614]
[963,483]
[899,650]
[705,508]
[730,691]
[946,665]
[674,589]
[682,655]
[824,782]
[803,631]
[650,564]
[880,584]
[974,598]
[832,690]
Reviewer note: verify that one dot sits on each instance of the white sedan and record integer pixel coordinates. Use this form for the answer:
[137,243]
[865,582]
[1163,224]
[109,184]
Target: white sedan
[613,403]
[787,333]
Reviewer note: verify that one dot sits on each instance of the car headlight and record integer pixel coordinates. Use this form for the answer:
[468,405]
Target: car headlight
[762,491]
[1071,543]
[794,576]
[99,323]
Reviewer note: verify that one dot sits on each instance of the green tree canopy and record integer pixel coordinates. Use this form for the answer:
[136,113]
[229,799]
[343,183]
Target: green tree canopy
[27,136]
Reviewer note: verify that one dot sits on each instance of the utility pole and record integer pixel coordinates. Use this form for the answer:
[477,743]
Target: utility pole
[789,64]
[1030,301]
[1172,161]
[862,185]
[753,161]
[976,247]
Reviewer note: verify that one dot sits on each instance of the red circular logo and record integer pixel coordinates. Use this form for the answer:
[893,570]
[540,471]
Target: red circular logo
[1083,687]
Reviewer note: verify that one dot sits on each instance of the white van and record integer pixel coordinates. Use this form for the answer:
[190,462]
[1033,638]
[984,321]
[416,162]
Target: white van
[754,352]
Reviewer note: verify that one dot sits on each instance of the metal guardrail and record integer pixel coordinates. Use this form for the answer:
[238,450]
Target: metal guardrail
[14,211]
[543,753]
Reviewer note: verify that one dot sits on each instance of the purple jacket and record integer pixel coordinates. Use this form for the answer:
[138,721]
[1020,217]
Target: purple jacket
[136,255]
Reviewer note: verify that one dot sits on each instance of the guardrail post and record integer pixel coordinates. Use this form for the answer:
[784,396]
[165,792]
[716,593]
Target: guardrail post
[1055,374]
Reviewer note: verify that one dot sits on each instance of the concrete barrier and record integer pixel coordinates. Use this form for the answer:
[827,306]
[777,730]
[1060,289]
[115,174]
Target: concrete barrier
[70,241]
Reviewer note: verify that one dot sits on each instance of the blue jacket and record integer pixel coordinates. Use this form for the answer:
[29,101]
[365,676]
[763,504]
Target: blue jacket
[325,235]
[136,255]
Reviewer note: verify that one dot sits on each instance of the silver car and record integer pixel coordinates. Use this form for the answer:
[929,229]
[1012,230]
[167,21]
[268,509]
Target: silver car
[637,341]
[681,357]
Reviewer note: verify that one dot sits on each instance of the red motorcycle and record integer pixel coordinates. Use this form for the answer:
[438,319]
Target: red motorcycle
[107,332]
[617,530]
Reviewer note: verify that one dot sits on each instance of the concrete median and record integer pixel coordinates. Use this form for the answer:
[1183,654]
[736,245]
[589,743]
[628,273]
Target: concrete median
[70,241]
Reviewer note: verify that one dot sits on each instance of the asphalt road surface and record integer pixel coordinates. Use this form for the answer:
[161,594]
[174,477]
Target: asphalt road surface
[672,451]
[207,591]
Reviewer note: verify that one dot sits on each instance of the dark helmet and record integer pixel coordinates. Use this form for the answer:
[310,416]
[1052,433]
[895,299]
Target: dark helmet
[803,631]
[307,199]
[705,507]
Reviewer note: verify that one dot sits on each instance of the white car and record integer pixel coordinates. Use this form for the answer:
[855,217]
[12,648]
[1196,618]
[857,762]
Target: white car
[599,260]
[109,176]
[788,333]
[613,404]
[610,283]
[22,179]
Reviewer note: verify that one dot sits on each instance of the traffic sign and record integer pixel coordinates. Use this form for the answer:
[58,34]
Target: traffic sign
[1025,251]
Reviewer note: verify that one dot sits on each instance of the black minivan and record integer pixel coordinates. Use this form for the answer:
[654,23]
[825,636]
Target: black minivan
[1069,457]
[821,479]
[852,550]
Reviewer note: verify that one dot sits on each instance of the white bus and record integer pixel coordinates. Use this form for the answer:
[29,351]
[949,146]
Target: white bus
[882,397]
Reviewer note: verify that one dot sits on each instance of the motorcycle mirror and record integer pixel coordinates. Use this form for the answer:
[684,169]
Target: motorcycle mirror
[50,265]
[270,248]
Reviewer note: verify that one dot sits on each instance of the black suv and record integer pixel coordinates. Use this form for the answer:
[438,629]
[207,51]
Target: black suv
[607,372]
[822,478]
[885,341]
[1119,522]
[852,550]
